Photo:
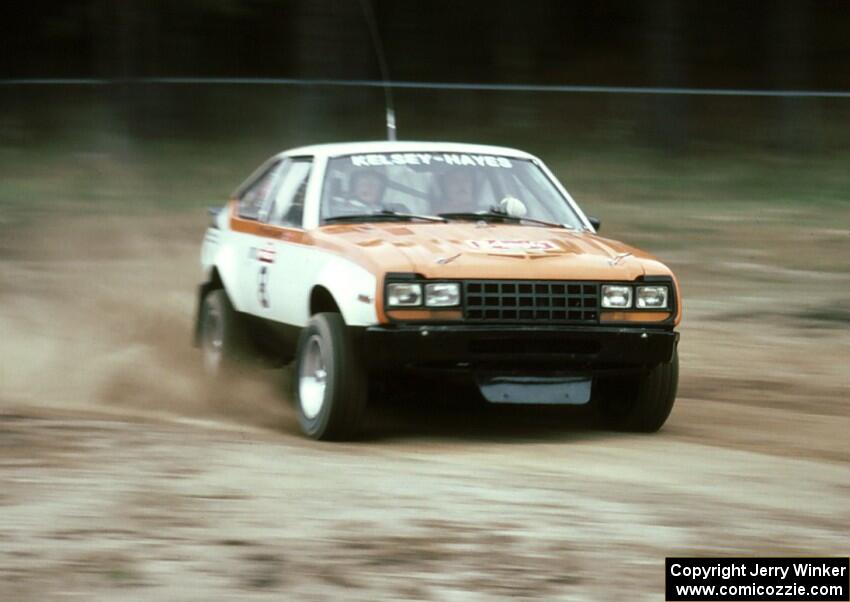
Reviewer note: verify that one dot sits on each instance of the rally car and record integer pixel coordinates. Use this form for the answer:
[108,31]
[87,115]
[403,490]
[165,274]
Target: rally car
[365,261]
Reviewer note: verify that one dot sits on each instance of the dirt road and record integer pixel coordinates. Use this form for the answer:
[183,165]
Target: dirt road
[124,477]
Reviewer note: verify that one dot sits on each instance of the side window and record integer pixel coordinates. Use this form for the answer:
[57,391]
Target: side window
[288,208]
[253,199]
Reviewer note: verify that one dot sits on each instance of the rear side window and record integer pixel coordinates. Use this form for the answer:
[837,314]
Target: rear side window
[260,192]
[288,206]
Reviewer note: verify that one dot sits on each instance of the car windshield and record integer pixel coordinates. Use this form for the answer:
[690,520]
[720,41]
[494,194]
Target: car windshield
[435,183]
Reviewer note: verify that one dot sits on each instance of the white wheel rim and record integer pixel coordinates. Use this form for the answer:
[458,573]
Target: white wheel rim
[312,378]
[213,340]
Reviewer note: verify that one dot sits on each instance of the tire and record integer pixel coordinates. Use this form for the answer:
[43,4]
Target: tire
[330,384]
[222,336]
[640,404]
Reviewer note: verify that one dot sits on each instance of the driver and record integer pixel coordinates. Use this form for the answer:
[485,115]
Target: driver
[458,188]
[367,186]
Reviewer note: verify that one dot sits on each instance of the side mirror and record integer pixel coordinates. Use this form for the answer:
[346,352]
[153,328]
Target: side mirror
[213,213]
[595,222]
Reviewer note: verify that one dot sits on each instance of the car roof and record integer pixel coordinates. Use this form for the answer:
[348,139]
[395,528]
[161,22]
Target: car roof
[406,146]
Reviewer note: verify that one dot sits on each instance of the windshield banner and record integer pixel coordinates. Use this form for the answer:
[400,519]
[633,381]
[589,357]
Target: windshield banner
[450,159]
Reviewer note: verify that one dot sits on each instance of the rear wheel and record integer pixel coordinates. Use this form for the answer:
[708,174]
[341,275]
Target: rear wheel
[640,404]
[222,339]
[330,384]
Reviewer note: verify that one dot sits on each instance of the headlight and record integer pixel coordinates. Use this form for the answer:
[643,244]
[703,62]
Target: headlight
[616,296]
[651,297]
[442,294]
[404,294]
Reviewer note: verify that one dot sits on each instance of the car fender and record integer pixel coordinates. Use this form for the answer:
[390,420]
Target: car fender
[219,254]
[228,270]
[352,287]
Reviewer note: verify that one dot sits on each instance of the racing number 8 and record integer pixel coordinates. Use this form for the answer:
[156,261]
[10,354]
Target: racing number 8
[263,286]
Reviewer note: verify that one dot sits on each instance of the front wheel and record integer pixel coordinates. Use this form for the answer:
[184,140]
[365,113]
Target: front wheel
[330,384]
[640,404]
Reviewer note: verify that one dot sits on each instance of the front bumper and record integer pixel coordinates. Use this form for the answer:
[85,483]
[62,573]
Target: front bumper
[590,349]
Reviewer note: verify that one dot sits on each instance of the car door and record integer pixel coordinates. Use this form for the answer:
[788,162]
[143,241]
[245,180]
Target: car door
[280,245]
[279,281]
[252,245]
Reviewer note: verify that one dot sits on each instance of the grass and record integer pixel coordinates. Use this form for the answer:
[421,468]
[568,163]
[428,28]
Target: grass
[180,174]
[191,149]
[749,207]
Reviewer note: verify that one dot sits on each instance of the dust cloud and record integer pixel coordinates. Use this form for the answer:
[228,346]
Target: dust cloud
[96,312]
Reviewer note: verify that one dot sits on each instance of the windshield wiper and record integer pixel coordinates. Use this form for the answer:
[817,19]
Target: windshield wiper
[484,215]
[384,214]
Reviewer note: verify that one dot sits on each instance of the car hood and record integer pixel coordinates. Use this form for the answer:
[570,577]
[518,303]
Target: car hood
[485,251]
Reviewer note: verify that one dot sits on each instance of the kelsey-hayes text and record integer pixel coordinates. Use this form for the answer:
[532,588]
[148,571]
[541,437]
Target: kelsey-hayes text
[457,159]
[757,570]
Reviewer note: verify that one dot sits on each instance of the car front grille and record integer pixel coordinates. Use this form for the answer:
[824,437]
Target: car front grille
[531,301]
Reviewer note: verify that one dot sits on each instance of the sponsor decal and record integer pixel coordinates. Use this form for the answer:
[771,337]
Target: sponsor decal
[266,254]
[451,159]
[539,246]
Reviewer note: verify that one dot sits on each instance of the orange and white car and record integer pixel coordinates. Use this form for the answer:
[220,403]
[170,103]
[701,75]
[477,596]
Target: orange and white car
[361,261]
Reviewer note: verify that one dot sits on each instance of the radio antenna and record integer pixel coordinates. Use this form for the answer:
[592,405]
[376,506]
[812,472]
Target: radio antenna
[382,64]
